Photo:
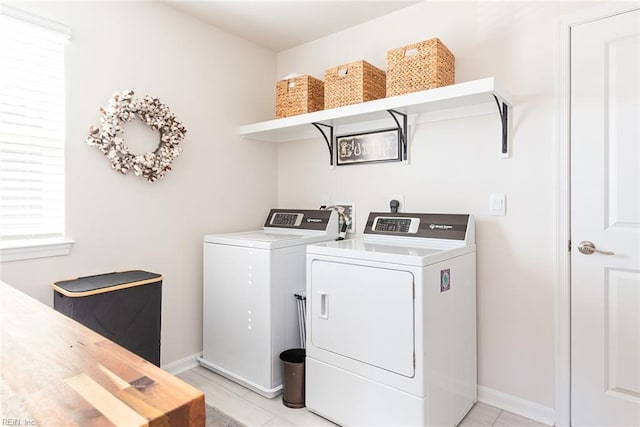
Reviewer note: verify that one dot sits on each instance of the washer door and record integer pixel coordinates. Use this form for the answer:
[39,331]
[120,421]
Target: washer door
[364,313]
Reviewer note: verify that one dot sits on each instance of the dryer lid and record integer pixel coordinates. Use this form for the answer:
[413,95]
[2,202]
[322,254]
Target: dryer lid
[407,254]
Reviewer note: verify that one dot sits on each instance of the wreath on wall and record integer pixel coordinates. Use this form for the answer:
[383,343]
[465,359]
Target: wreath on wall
[123,108]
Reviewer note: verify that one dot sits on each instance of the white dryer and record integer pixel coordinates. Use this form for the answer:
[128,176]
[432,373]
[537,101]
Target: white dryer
[250,311]
[391,322]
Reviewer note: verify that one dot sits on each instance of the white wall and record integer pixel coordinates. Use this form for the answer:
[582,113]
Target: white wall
[454,167]
[210,81]
[223,183]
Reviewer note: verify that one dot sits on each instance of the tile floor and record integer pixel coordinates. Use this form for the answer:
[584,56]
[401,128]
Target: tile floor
[254,410]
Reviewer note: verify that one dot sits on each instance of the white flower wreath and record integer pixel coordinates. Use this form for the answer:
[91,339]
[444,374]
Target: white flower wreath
[124,108]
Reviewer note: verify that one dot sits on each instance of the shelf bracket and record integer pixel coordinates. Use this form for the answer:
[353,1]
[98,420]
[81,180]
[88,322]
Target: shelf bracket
[327,133]
[395,115]
[503,109]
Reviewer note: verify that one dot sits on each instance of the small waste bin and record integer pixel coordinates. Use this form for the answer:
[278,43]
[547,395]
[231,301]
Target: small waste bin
[124,307]
[293,377]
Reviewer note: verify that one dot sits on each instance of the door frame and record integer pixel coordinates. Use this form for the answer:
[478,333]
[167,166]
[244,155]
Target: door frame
[563,199]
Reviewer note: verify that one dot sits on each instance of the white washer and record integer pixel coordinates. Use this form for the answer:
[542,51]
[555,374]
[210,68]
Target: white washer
[250,312]
[391,322]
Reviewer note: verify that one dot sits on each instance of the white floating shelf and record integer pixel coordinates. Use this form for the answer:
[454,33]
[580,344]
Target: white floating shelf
[472,93]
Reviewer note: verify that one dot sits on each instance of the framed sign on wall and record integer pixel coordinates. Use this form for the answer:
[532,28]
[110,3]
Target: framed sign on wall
[377,146]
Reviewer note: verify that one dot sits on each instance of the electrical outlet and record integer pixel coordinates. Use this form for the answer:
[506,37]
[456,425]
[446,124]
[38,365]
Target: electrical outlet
[324,200]
[399,198]
[350,212]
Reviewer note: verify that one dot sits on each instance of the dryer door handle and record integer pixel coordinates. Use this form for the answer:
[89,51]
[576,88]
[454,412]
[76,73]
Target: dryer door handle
[324,305]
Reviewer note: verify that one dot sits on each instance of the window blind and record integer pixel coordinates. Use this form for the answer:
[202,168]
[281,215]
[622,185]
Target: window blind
[31,129]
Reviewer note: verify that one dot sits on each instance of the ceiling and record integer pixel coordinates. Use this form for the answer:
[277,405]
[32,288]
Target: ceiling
[280,25]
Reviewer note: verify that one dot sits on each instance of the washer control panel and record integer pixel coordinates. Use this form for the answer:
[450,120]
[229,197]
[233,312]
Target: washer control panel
[302,219]
[286,219]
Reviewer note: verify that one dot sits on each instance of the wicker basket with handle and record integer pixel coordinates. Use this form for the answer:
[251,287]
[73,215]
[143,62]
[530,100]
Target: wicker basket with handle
[353,83]
[419,66]
[299,95]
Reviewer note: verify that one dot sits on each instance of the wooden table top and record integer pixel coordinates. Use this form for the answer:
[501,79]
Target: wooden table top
[56,372]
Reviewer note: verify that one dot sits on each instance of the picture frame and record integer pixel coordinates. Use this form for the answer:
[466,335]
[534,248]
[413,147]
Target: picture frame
[369,147]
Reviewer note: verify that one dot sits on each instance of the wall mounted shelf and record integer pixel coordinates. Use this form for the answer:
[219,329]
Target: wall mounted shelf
[468,94]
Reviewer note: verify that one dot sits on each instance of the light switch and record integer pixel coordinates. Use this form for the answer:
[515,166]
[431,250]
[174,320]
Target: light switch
[497,204]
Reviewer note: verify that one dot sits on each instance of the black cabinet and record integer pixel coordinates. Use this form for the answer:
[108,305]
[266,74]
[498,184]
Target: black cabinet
[124,307]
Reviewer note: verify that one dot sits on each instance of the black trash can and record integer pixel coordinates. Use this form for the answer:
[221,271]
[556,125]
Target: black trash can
[293,377]
[124,307]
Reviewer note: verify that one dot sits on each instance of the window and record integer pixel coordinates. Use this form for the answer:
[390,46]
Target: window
[31,136]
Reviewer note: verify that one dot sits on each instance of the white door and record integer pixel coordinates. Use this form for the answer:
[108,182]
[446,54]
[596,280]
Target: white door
[605,210]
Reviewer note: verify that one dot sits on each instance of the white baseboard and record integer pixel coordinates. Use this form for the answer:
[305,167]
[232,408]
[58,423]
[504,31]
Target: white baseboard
[181,365]
[522,407]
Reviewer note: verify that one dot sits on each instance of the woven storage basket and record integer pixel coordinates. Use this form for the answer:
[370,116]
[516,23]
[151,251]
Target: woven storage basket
[419,66]
[299,95]
[353,83]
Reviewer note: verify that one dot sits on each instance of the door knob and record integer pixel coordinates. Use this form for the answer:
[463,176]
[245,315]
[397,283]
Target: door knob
[588,248]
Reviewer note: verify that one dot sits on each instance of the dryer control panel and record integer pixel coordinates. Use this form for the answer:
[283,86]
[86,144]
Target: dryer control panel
[395,224]
[432,226]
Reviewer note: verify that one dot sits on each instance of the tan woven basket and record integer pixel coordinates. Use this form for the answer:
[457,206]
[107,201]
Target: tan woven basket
[353,83]
[419,66]
[299,95]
